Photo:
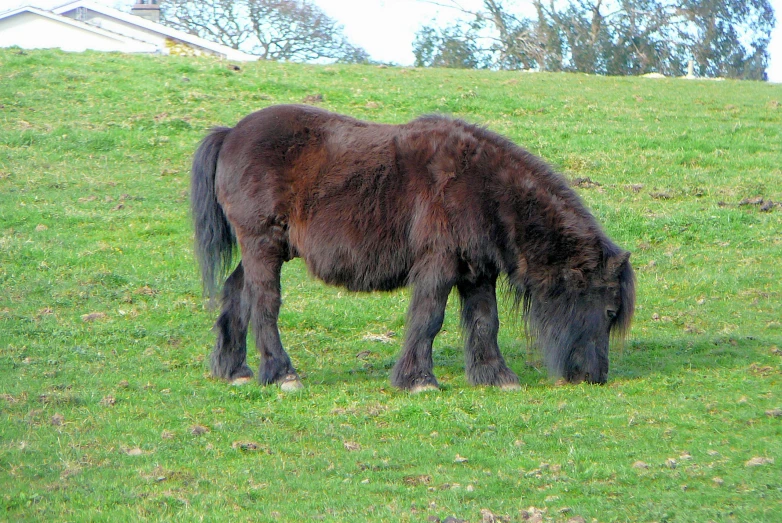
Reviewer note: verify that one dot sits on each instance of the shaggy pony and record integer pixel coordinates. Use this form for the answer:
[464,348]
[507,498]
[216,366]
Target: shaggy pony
[434,203]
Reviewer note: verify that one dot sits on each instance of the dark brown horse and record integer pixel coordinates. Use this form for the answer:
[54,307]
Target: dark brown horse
[434,203]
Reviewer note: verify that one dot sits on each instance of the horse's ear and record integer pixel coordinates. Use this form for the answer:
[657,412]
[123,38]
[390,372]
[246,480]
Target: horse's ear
[615,263]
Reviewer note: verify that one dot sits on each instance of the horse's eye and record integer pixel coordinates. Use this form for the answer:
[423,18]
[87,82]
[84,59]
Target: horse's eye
[611,313]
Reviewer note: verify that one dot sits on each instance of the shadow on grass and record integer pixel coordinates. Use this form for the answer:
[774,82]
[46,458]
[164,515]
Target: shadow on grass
[637,359]
[671,356]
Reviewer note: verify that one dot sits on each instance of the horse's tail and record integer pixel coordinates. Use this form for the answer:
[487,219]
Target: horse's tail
[215,242]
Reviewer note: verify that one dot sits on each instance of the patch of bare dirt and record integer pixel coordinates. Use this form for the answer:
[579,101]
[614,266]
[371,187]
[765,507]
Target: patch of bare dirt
[533,515]
[146,291]
[759,461]
[313,99]
[487,516]
[761,203]
[661,195]
[423,479]
[351,446]
[197,430]
[386,337]
[585,183]
[761,370]
[245,446]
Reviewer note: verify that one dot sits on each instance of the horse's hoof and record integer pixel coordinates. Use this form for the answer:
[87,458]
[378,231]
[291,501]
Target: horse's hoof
[244,380]
[291,383]
[427,387]
[510,386]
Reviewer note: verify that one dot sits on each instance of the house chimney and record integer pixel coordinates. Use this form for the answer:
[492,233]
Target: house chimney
[149,9]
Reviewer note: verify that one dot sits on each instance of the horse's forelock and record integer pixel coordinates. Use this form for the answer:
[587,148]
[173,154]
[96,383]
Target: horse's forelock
[556,338]
[546,310]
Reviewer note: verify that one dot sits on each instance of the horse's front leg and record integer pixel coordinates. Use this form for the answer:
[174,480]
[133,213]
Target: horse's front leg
[262,258]
[414,370]
[484,364]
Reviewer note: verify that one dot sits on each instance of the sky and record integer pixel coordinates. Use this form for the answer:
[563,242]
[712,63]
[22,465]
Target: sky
[386,28]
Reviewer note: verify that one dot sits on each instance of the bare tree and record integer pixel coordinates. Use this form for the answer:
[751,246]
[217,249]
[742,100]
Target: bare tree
[493,37]
[516,44]
[221,21]
[451,46]
[298,30]
[294,30]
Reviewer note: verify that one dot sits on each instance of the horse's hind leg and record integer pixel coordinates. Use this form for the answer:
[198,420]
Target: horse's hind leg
[262,258]
[414,370]
[229,357]
[484,363]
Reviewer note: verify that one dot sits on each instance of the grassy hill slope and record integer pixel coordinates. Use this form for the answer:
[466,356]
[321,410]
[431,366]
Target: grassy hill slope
[107,411]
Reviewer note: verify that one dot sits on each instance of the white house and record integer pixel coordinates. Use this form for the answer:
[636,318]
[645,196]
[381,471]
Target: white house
[81,25]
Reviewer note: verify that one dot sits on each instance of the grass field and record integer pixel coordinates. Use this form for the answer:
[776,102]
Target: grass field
[107,411]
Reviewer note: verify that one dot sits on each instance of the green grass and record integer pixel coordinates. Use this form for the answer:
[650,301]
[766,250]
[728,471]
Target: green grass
[114,417]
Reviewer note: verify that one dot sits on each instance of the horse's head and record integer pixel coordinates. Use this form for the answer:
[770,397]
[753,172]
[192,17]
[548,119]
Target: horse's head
[575,318]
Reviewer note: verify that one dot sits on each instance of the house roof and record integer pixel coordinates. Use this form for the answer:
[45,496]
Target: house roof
[168,32]
[135,45]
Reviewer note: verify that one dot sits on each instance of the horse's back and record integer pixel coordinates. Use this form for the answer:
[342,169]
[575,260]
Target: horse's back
[361,203]
[265,158]
[331,182]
